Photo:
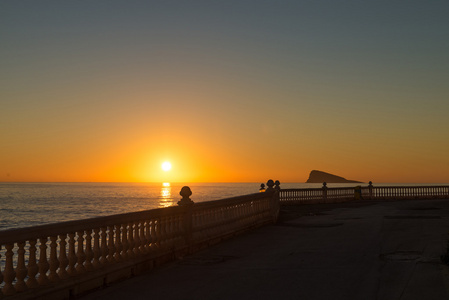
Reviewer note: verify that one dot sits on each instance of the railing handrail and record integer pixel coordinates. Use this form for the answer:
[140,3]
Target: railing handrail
[53,229]
[41,258]
[365,186]
[318,189]
[407,186]
[27,233]
[46,255]
[229,201]
[359,192]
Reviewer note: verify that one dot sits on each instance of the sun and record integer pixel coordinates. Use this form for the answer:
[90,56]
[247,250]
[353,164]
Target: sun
[166,166]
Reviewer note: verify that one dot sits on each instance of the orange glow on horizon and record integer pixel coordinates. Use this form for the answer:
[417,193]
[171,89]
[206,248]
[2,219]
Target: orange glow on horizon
[217,106]
[224,157]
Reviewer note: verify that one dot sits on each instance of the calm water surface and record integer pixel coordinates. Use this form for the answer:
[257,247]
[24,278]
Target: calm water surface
[29,204]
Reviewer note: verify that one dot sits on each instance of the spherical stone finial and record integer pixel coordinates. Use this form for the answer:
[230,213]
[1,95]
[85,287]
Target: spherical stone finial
[277,185]
[185,193]
[324,184]
[370,183]
[270,184]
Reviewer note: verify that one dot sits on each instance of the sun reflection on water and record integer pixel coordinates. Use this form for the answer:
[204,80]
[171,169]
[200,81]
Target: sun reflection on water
[166,199]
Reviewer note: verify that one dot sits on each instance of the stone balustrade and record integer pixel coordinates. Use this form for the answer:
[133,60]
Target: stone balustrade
[370,192]
[67,259]
[406,192]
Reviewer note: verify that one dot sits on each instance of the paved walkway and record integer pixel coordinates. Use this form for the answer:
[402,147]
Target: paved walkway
[387,250]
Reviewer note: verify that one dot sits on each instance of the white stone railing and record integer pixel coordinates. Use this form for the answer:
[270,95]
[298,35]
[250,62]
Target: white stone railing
[407,192]
[370,192]
[66,259]
[319,195]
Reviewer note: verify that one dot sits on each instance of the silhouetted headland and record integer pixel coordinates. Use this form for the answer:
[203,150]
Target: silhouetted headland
[320,177]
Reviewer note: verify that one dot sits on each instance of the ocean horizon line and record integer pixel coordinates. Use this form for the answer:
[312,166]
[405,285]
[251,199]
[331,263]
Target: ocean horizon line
[209,182]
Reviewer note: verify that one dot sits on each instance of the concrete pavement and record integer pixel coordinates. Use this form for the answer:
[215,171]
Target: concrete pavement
[385,250]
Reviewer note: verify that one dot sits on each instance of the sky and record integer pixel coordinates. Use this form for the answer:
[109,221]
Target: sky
[227,91]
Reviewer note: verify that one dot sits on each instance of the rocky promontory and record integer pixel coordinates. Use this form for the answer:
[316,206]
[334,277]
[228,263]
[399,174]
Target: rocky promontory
[320,177]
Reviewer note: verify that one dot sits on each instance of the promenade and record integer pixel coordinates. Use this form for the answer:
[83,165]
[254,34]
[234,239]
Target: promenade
[370,250]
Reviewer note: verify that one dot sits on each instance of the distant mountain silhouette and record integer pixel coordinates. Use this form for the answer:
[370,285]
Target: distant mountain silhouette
[320,177]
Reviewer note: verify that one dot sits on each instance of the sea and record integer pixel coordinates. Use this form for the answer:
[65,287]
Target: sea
[30,204]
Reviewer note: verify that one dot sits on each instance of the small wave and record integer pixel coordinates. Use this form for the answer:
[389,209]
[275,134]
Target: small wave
[7,209]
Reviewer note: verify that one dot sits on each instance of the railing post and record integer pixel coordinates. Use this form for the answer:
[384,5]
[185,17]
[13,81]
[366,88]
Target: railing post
[187,204]
[270,184]
[276,201]
[275,198]
[277,185]
[370,190]
[324,192]
[358,193]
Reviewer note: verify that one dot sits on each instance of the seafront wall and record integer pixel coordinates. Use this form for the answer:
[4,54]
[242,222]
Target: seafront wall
[66,260]
[361,193]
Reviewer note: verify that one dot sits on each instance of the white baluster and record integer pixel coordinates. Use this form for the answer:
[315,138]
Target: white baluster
[118,243]
[54,262]
[21,270]
[63,260]
[89,253]
[80,255]
[8,273]
[32,266]
[143,241]
[130,251]
[125,244]
[111,246]
[147,236]
[97,251]
[136,238]
[104,247]
[153,239]
[71,270]
[43,263]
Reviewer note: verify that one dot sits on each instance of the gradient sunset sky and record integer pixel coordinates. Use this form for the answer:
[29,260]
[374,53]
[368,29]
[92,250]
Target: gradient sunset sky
[227,91]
